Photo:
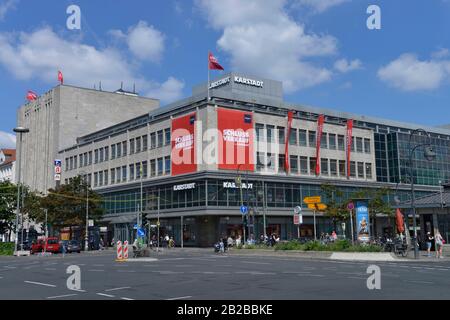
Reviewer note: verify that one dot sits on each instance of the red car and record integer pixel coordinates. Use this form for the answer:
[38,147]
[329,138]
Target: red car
[50,244]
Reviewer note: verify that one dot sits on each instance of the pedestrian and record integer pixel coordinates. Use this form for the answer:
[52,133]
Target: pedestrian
[166,240]
[429,239]
[230,241]
[238,241]
[221,244]
[333,236]
[438,241]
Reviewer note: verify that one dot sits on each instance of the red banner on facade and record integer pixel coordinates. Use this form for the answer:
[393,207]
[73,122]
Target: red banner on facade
[318,141]
[349,144]
[183,146]
[286,145]
[236,136]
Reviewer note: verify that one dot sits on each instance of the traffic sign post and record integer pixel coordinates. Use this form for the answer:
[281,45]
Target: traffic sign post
[312,200]
[298,218]
[350,208]
[244,210]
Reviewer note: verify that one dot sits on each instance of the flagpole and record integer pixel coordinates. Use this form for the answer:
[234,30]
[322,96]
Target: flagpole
[207,101]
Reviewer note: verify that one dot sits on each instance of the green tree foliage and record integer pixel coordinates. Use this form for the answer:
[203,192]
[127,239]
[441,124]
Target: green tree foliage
[66,205]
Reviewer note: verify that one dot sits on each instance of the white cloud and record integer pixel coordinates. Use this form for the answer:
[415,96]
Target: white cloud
[7,140]
[38,55]
[319,6]
[344,66]
[262,39]
[410,74]
[441,53]
[7,6]
[144,41]
[168,91]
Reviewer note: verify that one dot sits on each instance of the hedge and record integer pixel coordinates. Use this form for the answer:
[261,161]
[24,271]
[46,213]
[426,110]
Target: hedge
[6,248]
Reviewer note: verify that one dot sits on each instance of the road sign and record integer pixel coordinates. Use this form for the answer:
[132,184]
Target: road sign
[91,223]
[135,227]
[58,170]
[57,177]
[58,163]
[312,200]
[297,209]
[141,233]
[244,210]
[317,206]
[350,206]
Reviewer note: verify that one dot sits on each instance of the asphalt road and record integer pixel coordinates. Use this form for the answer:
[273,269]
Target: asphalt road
[203,275]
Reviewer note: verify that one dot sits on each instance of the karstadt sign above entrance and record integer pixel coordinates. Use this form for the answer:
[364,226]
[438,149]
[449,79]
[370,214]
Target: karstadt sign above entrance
[237,79]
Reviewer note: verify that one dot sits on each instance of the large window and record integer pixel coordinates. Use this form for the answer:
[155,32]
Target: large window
[352,169]
[281,159]
[113,175]
[368,171]
[366,145]
[100,178]
[167,136]
[101,152]
[260,161]
[90,157]
[332,141]
[124,173]
[359,144]
[333,167]
[312,139]
[138,171]
[160,166]
[144,169]
[271,161]
[167,165]
[281,135]
[270,134]
[119,150]
[302,138]
[294,164]
[124,148]
[341,142]
[361,170]
[96,156]
[160,138]
[324,141]
[293,137]
[312,165]
[324,166]
[144,143]
[304,165]
[131,171]
[132,146]
[152,168]
[138,145]
[118,175]
[152,140]
[342,170]
[259,128]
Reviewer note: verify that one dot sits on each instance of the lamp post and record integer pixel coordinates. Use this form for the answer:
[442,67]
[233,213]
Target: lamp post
[86,237]
[20,131]
[429,154]
[239,181]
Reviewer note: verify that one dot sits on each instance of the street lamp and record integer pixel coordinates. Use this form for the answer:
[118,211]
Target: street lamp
[20,131]
[429,154]
[86,237]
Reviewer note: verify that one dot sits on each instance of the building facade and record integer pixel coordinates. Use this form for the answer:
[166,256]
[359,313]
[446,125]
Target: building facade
[190,166]
[58,117]
[7,165]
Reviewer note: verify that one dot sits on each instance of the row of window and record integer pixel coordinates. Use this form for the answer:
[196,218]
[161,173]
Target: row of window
[307,165]
[157,139]
[135,171]
[307,138]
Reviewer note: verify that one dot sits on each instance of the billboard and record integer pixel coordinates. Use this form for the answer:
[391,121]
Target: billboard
[183,146]
[362,221]
[236,136]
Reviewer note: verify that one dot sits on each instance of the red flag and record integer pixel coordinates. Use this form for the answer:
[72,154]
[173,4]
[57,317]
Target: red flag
[286,146]
[399,221]
[213,64]
[318,141]
[349,144]
[31,95]
[60,77]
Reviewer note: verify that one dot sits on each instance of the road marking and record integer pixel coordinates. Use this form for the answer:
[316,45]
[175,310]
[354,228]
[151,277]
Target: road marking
[358,278]
[295,272]
[50,269]
[96,270]
[41,284]
[126,271]
[63,296]
[9,267]
[114,289]
[317,275]
[250,262]
[418,281]
[184,266]
[126,298]
[105,295]
[178,298]
[98,265]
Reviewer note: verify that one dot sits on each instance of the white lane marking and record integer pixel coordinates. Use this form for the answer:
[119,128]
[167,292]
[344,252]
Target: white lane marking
[9,267]
[358,278]
[105,295]
[123,298]
[96,270]
[63,296]
[317,275]
[178,298]
[251,262]
[115,289]
[41,284]
[184,266]
[296,272]
[50,269]
[418,281]
[262,273]
[126,271]
[78,290]
[98,265]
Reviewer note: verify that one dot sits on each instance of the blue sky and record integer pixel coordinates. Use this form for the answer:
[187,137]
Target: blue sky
[322,50]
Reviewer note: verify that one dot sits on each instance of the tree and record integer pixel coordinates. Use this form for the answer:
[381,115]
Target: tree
[66,205]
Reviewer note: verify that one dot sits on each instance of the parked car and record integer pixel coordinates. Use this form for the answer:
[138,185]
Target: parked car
[74,246]
[51,244]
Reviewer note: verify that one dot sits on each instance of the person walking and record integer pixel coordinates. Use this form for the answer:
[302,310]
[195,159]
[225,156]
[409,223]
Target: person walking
[429,239]
[238,241]
[438,241]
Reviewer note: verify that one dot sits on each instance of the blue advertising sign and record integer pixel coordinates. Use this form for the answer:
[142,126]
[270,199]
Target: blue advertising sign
[362,221]
[141,233]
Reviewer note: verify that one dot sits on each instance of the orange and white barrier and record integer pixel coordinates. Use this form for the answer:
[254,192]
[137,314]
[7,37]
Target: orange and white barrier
[125,249]
[119,250]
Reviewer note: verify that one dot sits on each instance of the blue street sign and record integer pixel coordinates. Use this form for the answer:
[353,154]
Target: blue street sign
[135,226]
[141,233]
[244,210]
